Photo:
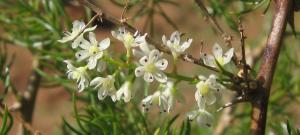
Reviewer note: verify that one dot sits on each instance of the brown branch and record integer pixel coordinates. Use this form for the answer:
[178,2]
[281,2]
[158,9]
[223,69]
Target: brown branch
[235,101]
[266,72]
[29,96]
[159,46]
[243,61]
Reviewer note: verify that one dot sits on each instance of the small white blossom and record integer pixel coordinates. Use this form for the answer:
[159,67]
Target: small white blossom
[207,90]
[175,45]
[152,66]
[78,26]
[202,117]
[93,51]
[221,58]
[79,74]
[125,92]
[128,39]
[105,87]
[157,99]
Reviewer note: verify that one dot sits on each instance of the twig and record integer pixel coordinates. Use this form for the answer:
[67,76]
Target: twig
[267,68]
[245,66]
[237,100]
[123,18]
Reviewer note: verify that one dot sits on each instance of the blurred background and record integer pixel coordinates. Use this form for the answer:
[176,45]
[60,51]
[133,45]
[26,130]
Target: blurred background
[29,30]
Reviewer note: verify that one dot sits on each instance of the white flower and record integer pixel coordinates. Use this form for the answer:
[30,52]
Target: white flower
[79,74]
[78,26]
[221,58]
[93,51]
[128,39]
[105,87]
[152,66]
[207,90]
[202,117]
[157,99]
[125,92]
[174,44]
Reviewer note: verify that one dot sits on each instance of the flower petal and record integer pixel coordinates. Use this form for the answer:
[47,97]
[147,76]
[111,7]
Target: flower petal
[140,40]
[82,54]
[208,60]
[137,53]
[202,78]
[81,42]
[148,77]
[139,71]
[145,48]
[102,93]
[161,77]
[119,34]
[65,39]
[154,55]
[228,55]
[217,50]
[92,38]
[96,81]
[90,29]
[161,64]
[210,98]
[186,45]
[77,26]
[144,60]
[69,64]
[192,115]
[147,102]
[204,118]
[127,91]
[164,39]
[199,99]
[175,37]
[92,62]
[104,44]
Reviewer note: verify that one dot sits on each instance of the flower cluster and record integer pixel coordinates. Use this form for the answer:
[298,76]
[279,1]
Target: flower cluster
[207,89]
[150,66]
[206,92]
